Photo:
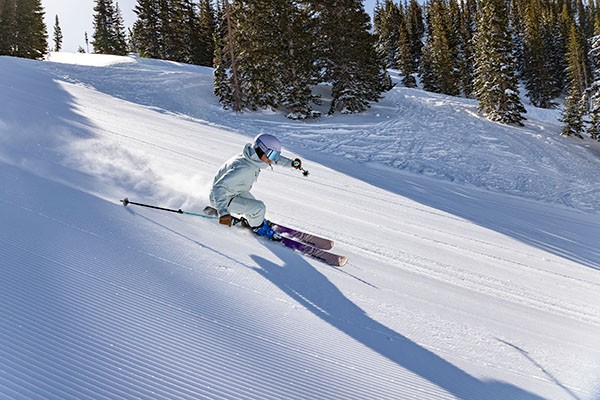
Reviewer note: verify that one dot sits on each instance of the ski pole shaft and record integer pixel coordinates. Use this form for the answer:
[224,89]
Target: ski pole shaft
[126,202]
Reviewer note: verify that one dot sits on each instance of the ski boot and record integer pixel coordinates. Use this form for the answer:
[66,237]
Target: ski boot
[267,231]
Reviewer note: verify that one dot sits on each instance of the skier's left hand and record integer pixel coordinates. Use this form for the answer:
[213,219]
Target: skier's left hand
[297,163]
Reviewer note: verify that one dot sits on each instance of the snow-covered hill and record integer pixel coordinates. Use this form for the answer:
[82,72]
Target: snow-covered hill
[474,267]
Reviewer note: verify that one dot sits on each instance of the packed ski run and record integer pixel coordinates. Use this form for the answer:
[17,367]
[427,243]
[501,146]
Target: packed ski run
[473,265]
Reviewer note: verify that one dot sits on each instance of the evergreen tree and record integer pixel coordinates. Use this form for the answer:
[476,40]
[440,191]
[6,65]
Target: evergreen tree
[387,20]
[298,69]
[205,48]
[577,73]
[260,61]
[516,11]
[173,29]
[348,56]
[405,58]
[415,26]
[30,39]
[102,36]
[466,15]
[146,29]
[8,9]
[119,38]
[227,78]
[554,37]
[109,30]
[440,56]
[593,128]
[495,84]
[190,33]
[58,36]
[537,77]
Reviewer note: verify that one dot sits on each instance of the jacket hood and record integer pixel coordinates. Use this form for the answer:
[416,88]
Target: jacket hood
[250,155]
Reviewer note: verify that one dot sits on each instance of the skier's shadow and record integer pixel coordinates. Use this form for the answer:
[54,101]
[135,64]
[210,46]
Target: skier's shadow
[307,286]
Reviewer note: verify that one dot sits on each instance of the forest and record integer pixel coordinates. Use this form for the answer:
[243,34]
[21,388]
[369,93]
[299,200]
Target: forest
[274,54]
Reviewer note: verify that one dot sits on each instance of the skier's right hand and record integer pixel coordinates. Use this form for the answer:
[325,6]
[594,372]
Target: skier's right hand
[226,220]
[297,163]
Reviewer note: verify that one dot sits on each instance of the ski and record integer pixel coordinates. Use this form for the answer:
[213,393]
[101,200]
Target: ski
[313,240]
[304,248]
[291,233]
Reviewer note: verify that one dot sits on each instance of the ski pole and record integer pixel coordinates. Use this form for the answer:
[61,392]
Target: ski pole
[126,202]
[304,172]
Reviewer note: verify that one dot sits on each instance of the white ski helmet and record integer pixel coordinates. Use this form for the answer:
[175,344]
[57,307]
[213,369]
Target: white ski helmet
[268,145]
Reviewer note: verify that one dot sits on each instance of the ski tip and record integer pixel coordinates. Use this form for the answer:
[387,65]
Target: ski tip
[125,201]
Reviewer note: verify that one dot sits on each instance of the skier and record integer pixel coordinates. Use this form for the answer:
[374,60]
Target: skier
[230,192]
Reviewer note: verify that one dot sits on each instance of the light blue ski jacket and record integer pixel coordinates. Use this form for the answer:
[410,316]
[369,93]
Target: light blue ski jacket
[237,176]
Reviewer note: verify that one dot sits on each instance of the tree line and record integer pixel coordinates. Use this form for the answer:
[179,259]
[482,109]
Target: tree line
[487,49]
[292,55]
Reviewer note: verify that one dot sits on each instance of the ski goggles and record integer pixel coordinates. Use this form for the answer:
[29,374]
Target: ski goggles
[272,155]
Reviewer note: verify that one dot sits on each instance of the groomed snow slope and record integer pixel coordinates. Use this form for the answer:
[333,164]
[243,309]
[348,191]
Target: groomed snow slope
[474,266]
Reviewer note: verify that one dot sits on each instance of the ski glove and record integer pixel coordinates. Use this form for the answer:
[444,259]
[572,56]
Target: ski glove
[297,163]
[226,220]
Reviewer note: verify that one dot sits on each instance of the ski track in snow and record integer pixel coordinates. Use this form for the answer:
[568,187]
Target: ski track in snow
[472,274]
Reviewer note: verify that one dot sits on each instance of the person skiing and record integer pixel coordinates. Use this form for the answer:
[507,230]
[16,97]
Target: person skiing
[230,192]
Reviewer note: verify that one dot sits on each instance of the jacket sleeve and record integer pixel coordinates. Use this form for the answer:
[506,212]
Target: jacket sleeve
[283,161]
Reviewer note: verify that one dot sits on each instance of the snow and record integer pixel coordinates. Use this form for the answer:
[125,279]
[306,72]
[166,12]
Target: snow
[474,267]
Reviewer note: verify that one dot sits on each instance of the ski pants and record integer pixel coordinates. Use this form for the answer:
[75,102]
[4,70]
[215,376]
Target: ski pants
[245,204]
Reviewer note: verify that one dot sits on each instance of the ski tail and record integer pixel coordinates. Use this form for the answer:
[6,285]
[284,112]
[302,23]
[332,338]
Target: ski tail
[327,257]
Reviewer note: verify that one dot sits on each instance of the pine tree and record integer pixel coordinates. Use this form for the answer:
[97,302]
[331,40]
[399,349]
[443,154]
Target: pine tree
[119,40]
[555,31]
[205,48]
[388,19]
[190,32]
[415,26]
[439,71]
[298,68]
[577,72]
[172,29]
[146,29]
[466,23]
[348,56]
[227,78]
[102,36]
[275,63]
[535,72]
[593,127]
[8,9]
[58,36]
[109,29]
[495,84]
[30,39]
[405,58]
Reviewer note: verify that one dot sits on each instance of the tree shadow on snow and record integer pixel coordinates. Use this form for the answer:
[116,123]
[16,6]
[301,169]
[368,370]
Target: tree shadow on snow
[307,286]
